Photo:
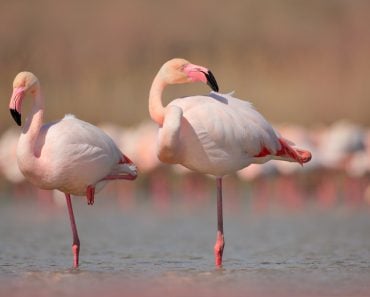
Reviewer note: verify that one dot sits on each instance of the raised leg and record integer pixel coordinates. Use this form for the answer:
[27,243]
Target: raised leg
[220,242]
[76,240]
[123,175]
[118,176]
[90,192]
[129,173]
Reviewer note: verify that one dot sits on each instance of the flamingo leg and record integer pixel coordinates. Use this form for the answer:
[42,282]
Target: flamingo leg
[118,176]
[124,160]
[220,242]
[76,240]
[90,191]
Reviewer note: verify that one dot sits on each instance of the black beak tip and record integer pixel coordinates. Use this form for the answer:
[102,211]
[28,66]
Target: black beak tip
[211,81]
[16,116]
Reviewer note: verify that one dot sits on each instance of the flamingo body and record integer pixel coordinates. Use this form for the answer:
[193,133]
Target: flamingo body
[217,134]
[72,154]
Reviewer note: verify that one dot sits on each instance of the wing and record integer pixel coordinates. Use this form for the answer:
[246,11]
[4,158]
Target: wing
[227,125]
[79,150]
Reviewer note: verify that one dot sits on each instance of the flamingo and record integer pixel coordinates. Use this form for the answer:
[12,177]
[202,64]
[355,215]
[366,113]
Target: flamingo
[8,159]
[68,155]
[214,134]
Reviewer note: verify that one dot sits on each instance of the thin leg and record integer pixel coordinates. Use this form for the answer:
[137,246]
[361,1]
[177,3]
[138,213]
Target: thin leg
[118,176]
[90,192]
[123,175]
[220,243]
[126,176]
[76,240]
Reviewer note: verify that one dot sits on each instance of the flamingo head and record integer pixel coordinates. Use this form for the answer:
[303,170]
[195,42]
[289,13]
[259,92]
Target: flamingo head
[177,71]
[25,82]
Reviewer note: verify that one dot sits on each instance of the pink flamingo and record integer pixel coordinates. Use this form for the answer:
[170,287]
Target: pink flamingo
[69,155]
[215,134]
[8,158]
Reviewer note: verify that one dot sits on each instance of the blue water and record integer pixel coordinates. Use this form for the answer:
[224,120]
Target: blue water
[145,251]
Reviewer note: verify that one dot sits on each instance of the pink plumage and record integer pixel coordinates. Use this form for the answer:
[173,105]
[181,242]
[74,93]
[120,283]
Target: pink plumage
[215,134]
[69,155]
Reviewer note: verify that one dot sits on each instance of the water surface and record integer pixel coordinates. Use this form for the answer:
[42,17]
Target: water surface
[143,251]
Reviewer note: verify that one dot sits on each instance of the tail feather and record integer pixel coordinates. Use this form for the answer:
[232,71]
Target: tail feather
[295,154]
[127,166]
[126,160]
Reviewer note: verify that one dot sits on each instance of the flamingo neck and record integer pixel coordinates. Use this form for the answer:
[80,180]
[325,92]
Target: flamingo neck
[156,108]
[32,126]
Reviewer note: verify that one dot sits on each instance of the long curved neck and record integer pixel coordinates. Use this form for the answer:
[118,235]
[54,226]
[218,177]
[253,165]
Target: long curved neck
[156,108]
[32,126]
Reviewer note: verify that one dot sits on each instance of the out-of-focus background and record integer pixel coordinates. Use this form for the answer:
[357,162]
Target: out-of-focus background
[299,61]
[305,65]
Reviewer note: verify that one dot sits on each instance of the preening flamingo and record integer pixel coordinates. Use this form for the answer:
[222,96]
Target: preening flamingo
[69,155]
[215,134]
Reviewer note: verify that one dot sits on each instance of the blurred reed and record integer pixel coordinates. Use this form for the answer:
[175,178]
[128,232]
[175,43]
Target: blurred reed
[298,61]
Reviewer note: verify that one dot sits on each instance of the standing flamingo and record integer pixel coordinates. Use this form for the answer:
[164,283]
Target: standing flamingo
[69,155]
[8,158]
[215,134]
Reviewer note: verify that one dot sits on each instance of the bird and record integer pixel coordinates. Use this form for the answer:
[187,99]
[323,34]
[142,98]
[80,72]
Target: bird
[8,158]
[215,134]
[138,143]
[69,155]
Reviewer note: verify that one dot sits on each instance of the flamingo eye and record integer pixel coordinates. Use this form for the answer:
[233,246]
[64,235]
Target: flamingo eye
[182,67]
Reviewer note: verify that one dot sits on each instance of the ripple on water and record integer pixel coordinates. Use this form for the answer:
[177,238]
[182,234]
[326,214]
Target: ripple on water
[278,254]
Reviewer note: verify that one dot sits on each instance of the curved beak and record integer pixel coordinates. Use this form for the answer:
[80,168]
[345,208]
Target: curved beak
[211,81]
[16,116]
[199,73]
[15,105]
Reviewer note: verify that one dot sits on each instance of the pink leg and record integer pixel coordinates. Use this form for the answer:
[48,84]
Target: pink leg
[90,191]
[220,243]
[76,240]
[124,160]
[115,177]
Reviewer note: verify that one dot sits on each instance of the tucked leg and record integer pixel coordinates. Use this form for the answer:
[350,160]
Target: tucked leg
[118,176]
[90,192]
[220,242]
[129,174]
[76,240]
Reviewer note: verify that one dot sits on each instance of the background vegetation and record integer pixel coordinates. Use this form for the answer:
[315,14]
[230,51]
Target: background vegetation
[306,62]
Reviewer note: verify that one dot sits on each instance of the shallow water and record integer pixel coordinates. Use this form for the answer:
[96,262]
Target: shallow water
[143,251]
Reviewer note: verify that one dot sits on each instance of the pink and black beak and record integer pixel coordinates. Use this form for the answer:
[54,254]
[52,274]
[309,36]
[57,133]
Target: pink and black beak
[16,116]
[200,73]
[211,81]
[15,105]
